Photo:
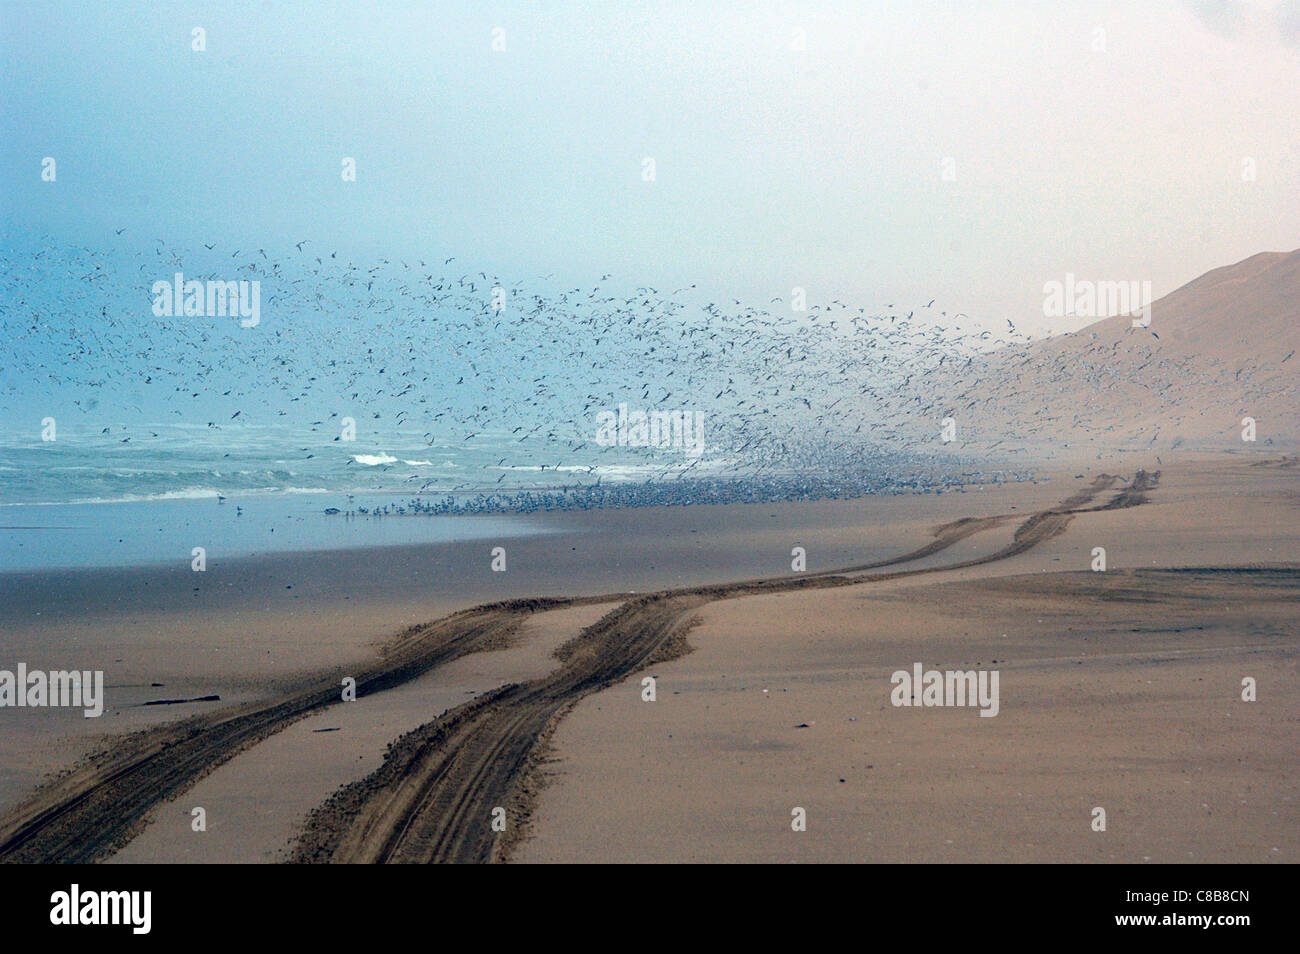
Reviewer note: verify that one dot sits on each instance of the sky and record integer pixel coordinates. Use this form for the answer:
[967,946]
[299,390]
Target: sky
[793,144]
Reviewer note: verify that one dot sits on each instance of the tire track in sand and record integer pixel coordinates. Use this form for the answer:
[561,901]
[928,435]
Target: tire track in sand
[89,812]
[433,799]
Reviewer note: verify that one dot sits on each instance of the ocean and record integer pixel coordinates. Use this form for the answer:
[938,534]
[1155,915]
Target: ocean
[89,499]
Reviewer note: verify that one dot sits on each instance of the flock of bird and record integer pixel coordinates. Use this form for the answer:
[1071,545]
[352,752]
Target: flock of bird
[425,352]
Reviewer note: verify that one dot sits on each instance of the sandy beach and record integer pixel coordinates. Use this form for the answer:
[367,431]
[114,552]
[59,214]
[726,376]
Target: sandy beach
[247,627]
[1119,689]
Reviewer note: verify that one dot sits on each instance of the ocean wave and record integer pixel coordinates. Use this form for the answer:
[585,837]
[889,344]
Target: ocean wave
[189,493]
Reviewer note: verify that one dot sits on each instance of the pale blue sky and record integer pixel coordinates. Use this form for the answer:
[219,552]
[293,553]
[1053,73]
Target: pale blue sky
[776,166]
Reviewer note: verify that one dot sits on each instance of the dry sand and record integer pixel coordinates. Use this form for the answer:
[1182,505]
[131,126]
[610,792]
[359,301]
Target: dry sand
[255,802]
[1120,690]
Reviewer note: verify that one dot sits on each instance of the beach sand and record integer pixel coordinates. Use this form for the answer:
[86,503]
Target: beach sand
[246,627]
[1119,690]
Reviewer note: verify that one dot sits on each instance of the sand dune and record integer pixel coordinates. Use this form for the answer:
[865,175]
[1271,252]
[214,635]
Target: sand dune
[1217,350]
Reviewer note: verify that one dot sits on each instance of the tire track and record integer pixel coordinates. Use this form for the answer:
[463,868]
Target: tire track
[95,809]
[91,811]
[437,806]
[435,802]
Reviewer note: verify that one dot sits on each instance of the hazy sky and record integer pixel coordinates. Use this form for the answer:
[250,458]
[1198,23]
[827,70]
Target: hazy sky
[794,144]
